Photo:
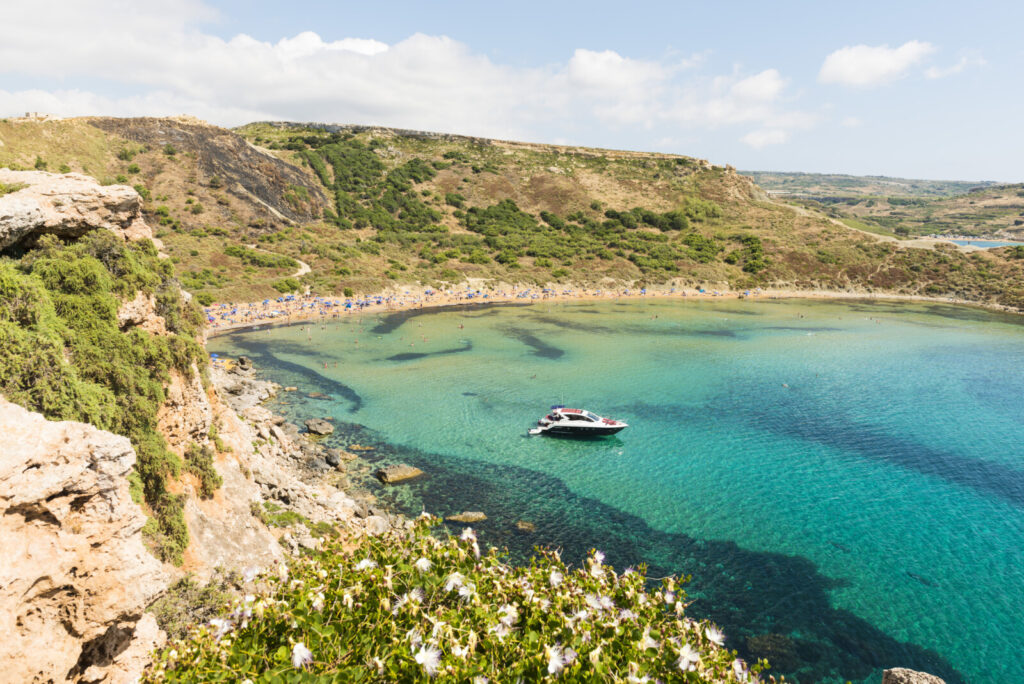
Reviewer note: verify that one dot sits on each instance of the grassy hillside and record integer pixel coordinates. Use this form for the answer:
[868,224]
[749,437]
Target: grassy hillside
[369,208]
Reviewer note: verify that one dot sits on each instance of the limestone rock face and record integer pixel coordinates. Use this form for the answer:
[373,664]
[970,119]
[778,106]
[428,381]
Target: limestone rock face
[76,577]
[186,415]
[141,313]
[68,205]
[901,675]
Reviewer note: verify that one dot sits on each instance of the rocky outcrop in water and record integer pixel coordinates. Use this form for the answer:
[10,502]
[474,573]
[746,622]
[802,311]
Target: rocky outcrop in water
[75,577]
[68,205]
[901,675]
[319,426]
[398,473]
[467,517]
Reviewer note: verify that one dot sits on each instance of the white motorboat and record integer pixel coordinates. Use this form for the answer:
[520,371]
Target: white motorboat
[573,422]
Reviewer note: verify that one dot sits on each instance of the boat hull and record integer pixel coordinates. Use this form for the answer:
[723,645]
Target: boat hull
[582,432]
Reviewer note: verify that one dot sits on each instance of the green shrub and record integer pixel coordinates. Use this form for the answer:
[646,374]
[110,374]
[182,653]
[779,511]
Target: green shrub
[199,462]
[348,292]
[62,353]
[204,298]
[286,285]
[169,150]
[134,168]
[405,609]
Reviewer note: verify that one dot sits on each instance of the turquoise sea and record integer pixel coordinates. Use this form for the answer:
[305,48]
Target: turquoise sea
[844,481]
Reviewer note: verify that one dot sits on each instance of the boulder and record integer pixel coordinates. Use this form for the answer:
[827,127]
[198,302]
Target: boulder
[901,675]
[67,205]
[318,426]
[376,525]
[524,526]
[333,457]
[397,473]
[76,576]
[467,517]
[245,363]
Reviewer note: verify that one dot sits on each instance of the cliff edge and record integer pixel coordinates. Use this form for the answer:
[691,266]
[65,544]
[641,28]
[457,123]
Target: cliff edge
[76,576]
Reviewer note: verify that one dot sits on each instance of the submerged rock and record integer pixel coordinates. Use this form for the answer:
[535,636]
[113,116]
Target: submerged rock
[525,526]
[397,473]
[467,517]
[901,675]
[318,426]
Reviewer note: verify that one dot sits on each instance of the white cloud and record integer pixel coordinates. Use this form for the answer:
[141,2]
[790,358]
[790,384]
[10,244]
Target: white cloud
[764,137]
[763,87]
[965,62]
[851,122]
[866,65]
[155,59]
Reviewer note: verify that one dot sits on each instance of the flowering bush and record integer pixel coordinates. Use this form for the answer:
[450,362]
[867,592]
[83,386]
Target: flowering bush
[418,607]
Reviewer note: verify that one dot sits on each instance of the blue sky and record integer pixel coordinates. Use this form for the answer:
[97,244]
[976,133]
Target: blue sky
[928,90]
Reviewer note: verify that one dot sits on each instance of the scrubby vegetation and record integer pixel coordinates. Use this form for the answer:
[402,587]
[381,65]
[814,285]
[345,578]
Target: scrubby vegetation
[62,353]
[414,608]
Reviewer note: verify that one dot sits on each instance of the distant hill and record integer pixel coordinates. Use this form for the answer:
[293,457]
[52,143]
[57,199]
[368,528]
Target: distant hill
[841,185]
[369,208]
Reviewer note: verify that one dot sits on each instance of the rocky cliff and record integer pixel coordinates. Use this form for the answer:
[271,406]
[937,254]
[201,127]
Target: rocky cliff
[67,205]
[76,576]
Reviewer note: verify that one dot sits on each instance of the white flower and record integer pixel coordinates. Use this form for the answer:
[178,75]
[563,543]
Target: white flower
[414,637]
[592,601]
[455,581]
[688,658]
[301,656]
[740,669]
[555,662]
[670,597]
[428,657]
[714,635]
[509,615]
[347,600]
[250,574]
[365,564]
[646,641]
[468,534]
[595,656]
[247,681]
[555,578]
[423,564]
[221,627]
[466,591]
[501,630]
[627,614]
[460,651]
[599,557]
[606,602]
[568,656]
[318,601]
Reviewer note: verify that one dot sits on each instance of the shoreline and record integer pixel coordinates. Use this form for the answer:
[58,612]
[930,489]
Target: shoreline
[307,308]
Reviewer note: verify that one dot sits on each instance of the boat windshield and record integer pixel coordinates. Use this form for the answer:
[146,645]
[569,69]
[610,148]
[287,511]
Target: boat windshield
[592,417]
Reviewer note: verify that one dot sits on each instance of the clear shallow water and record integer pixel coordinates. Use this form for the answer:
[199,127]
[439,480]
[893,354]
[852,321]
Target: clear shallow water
[844,481]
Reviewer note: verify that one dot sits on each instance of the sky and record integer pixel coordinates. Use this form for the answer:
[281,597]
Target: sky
[913,89]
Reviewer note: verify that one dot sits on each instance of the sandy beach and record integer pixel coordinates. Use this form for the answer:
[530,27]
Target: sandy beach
[285,310]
